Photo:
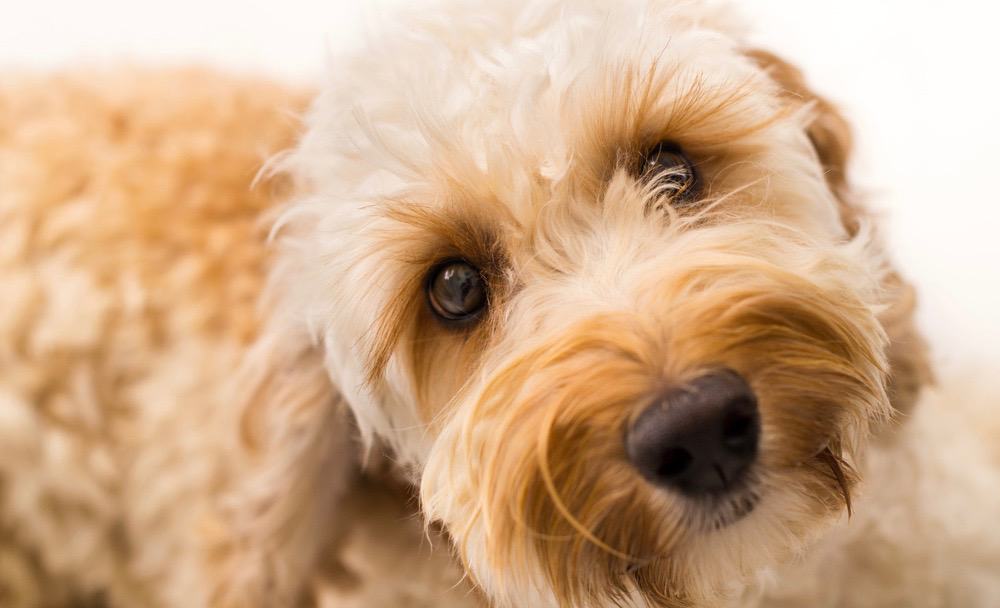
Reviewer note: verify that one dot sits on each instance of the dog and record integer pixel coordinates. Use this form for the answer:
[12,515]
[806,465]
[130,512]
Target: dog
[584,286]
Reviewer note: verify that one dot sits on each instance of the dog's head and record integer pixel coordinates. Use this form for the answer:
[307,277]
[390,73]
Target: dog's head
[592,272]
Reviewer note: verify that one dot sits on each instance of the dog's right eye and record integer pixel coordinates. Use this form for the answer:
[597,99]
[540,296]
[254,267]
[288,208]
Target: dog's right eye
[456,291]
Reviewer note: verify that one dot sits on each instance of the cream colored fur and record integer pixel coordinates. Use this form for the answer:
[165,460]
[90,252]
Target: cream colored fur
[194,414]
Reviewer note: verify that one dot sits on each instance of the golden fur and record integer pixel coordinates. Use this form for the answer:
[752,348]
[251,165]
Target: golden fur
[193,414]
[131,244]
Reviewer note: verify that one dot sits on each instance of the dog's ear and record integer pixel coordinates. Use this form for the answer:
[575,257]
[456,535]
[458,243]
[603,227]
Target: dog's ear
[293,461]
[831,135]
[829,131]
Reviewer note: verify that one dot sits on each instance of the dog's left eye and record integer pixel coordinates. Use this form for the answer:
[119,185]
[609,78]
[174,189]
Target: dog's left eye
[671,171]
[456,291]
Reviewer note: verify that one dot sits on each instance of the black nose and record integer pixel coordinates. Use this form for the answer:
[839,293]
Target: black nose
[700,438]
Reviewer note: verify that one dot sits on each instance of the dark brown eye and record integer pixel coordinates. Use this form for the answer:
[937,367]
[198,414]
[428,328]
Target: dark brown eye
[456,291]
[671,172]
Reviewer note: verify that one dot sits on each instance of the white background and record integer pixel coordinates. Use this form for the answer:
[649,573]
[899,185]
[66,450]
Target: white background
[919,79]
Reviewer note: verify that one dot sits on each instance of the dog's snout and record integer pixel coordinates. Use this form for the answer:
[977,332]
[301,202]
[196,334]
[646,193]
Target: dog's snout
[700,438]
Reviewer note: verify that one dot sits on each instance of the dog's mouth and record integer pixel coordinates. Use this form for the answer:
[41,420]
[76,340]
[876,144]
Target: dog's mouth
[714,512]
[738,508]
[730,509]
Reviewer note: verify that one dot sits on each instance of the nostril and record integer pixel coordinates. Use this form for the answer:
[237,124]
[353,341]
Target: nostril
[673,462]
[738,428]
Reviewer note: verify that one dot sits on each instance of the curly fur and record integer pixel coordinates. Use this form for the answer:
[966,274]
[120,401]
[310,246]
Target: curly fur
[194,414]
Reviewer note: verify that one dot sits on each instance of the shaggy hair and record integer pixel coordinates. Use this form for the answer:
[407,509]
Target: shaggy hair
[194,414]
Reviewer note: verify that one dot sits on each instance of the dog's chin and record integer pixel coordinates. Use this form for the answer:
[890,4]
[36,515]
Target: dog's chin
[714,512]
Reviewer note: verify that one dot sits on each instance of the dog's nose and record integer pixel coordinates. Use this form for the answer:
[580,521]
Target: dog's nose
[700,438]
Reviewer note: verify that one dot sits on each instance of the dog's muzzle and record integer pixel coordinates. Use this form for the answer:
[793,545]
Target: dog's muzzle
[698,439]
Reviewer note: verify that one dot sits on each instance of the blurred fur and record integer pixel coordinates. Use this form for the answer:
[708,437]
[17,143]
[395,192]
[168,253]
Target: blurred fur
[194,415]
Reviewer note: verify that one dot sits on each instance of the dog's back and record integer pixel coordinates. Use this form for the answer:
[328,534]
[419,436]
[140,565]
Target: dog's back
[131,257]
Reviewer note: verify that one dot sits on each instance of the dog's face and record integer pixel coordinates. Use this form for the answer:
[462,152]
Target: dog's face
[586,271]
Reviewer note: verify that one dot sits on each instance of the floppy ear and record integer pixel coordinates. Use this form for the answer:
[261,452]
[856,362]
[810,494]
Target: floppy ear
[831,135]
[829,131]
[294,461]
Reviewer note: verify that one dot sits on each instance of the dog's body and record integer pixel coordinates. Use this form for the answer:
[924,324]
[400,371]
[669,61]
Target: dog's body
[132,261]
[181,405]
